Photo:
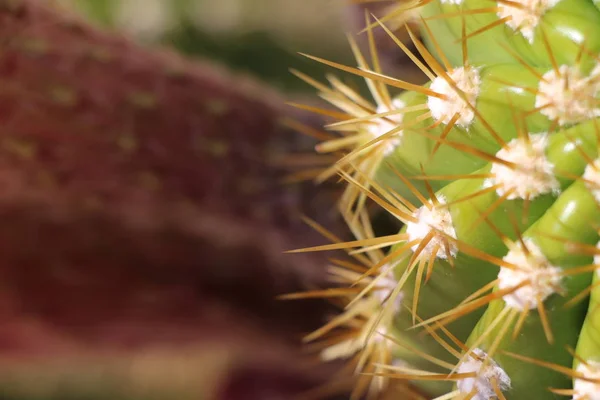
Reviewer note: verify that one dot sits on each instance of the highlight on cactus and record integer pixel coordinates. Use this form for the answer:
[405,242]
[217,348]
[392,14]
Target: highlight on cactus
[490,289]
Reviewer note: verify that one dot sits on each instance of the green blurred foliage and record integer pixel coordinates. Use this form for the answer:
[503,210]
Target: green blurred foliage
[265,53]
[253,52]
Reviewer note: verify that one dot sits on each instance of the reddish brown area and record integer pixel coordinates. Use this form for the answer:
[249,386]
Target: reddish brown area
[138,203]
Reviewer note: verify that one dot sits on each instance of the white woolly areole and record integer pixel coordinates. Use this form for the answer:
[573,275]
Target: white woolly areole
[379,336]
[533,174]
[385,287]
[466,79]
[381,126]
[525,16]
[438,219]
[453,2]
[584,389]
[487,372]
[591,175]
[370,335]
[568,96]
[543,278]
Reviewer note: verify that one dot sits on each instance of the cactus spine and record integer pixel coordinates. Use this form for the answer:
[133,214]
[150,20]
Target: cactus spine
[490,289]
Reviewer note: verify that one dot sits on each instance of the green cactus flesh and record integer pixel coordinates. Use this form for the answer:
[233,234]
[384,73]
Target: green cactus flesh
[491,288]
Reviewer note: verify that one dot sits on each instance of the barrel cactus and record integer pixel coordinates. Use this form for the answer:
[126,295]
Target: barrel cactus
[490,289]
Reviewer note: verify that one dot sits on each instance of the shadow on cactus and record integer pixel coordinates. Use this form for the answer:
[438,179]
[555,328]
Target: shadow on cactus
[489,291]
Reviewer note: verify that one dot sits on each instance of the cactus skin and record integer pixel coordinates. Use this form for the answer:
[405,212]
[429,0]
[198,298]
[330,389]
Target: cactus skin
[494,175]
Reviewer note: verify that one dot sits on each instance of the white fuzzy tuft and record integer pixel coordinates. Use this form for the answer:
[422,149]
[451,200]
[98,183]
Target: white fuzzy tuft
[379,336]
[341,350]
[385,287]
[369,336]
[543,278]
[587,389]
[591,175]
[487,372]
[466,79]
[568,96]
[381,126]
[452,2]
[533,174]
[439,219]
[373,330]
[525,16]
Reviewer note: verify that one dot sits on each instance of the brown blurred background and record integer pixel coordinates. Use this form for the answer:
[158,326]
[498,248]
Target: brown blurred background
[148,264]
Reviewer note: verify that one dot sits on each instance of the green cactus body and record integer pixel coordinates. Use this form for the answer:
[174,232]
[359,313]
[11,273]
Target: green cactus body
[571,218]
[495,102]
[588,345]
[566,24]
[494,175]
[471,272]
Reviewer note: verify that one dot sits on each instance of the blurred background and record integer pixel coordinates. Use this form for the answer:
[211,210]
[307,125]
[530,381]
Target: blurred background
[196,319]
[261,37]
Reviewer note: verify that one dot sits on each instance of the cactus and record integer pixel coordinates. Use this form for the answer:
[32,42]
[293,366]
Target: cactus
[490,288]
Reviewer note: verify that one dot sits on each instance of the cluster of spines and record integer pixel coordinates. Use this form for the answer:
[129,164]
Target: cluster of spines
[492,169]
